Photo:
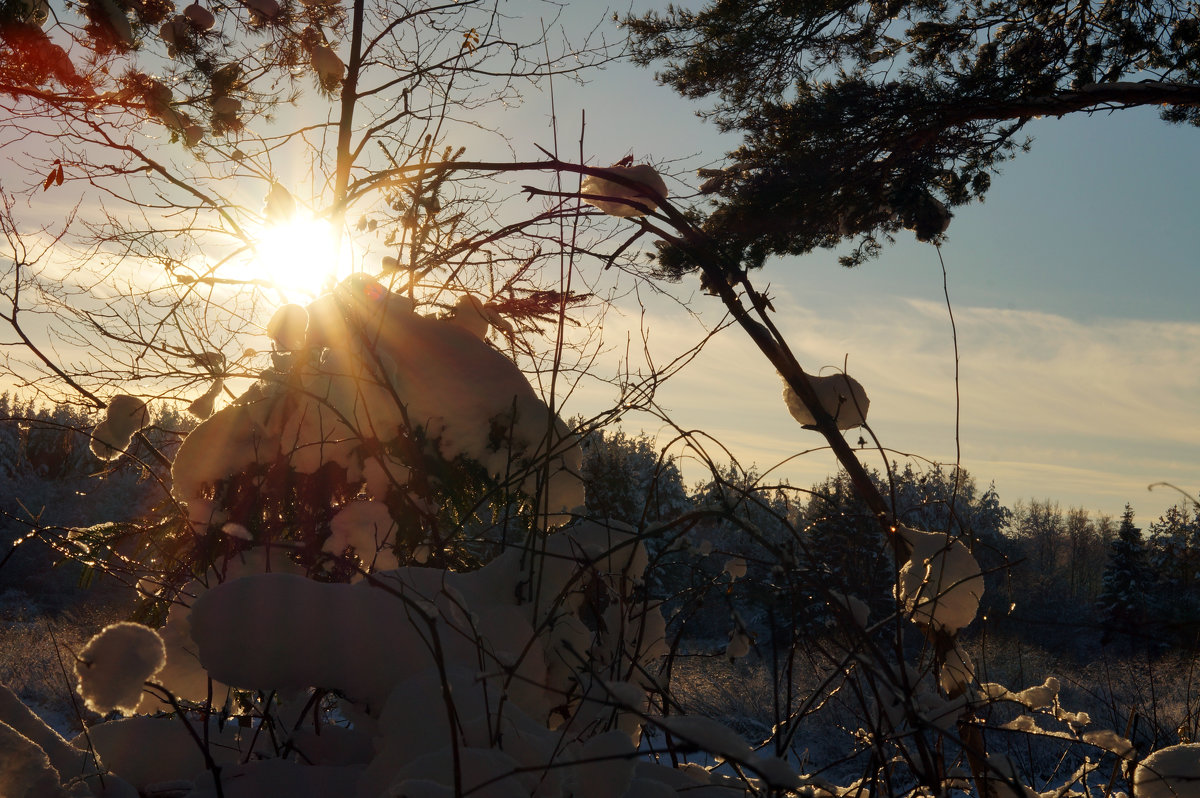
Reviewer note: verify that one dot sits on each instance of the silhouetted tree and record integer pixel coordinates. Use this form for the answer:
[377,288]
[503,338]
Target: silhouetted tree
[1127,581]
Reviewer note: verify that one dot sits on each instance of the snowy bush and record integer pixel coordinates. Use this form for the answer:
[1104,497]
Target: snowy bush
[374,571]
[304,656]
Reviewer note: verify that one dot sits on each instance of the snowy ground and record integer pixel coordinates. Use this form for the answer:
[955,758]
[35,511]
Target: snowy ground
[40,633]
[1153,700]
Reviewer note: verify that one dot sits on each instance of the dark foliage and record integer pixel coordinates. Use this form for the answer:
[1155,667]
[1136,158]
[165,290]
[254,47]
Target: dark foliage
[1123,602]
[860,119]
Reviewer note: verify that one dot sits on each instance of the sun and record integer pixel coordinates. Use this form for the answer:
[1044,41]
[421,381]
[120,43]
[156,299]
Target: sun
[299,256]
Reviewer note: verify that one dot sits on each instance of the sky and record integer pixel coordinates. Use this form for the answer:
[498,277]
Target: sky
[1072,287]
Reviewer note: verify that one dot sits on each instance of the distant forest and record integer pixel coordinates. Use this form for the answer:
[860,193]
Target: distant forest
[1067,580]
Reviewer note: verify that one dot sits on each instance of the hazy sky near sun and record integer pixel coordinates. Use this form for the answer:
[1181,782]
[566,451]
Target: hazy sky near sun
[1073,287]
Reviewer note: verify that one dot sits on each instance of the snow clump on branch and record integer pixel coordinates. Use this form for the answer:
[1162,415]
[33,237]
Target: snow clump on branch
[327,64]
[279,205]
[113,665]
[124,416]
[200,16]
[941,583]
[841,396]
[618,199]
[287,327]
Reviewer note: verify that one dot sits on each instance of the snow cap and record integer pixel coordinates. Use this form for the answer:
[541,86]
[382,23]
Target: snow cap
[327,64]
[200,16]
[124,416]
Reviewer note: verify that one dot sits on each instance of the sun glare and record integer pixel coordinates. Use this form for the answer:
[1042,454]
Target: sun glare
[299,256]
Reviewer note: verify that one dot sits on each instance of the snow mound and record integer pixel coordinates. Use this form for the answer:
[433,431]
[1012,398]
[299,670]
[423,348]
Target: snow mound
[302,630]
[146,751]
[1172,772]
[182,674]
[487,621]
[63,758]
[527,672]
[25,770]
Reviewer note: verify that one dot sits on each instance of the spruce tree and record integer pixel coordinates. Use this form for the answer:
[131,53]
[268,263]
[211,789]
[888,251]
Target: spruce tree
[1127,582]
[1174,556]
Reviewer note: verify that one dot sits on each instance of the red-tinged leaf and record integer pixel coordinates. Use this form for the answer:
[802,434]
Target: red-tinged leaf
[58,176]
[49,179]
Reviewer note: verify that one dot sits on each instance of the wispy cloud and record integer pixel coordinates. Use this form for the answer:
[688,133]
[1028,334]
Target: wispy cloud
[1085,412]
